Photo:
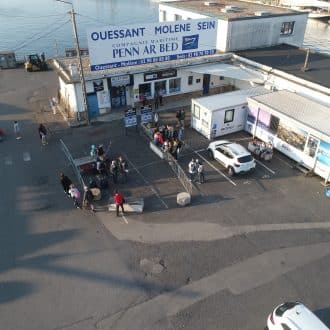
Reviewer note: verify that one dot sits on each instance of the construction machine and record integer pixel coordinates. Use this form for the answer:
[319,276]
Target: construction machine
[35,63]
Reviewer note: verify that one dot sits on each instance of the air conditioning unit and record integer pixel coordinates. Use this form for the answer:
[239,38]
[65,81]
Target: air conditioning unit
[262,13]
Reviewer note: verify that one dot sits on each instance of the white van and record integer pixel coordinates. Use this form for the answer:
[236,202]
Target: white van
[294,316]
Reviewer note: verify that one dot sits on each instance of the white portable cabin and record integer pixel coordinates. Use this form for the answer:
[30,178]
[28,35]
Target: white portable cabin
[222,114]
[297,126]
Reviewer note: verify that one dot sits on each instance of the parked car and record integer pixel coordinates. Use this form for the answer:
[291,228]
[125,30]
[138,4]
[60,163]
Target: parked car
[234,157]
[294,316]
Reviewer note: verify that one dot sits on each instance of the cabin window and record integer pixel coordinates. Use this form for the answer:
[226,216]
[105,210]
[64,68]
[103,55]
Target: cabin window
[287,28]
[190,80]
[229,116]
[175,85]
[161,87]
[145,89]
[196,111]
[163,15]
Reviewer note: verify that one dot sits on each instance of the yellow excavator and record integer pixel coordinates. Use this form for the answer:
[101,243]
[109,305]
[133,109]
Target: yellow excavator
[35,63]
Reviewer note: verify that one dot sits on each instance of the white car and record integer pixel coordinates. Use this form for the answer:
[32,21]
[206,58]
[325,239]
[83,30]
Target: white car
[234,157]
[294,316]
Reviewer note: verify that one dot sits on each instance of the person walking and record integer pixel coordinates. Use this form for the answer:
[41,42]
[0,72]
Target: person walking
[200,172]
[42,134]
[192,169]
[75,194]
[17,130]
[88,199]
[66,183]
[119,201]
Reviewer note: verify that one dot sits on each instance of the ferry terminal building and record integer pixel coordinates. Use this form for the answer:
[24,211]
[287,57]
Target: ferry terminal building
[270,64]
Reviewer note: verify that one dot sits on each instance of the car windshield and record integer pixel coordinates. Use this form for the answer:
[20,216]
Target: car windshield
[284,307]
[245,159]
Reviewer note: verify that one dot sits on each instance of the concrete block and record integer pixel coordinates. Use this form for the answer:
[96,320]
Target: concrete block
[183,198]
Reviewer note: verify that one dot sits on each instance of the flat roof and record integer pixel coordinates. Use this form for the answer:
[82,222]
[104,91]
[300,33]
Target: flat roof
[301,109]
[291,59]
[229,99]
[240,9]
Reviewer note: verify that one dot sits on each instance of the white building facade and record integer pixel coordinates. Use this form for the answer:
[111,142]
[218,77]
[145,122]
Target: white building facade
[242,25]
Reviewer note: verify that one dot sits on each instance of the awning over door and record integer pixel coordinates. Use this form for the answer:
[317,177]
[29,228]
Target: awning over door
[230,71]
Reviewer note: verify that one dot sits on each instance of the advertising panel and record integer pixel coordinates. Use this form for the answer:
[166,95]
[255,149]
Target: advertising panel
[146,115]
[324,153]
[130,118]
[120,46]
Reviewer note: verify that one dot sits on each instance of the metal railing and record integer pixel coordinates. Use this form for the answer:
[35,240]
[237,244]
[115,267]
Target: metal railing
[175,166]
[74,167]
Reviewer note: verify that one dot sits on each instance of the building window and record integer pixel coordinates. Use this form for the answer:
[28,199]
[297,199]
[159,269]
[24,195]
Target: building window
[198,81]
[287,28]
[229,116]
[175,85]
[163,16]
[145,89]
[196,111]
[190,80]
[177,17]
[160,86]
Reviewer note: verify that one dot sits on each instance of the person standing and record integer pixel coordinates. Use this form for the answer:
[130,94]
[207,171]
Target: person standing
[192,169]
[114,171]
[66,183]
[75,194]
[17,130]
[200,173]
[119,201]
[123,170]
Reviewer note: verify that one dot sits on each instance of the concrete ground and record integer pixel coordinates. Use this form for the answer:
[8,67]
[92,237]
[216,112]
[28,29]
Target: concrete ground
[244,245]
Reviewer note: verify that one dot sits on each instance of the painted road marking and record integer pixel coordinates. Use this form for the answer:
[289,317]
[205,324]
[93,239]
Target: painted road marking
[267,168]
[124,218]
[216,169]
[8,160]
[26,156]
[147,182]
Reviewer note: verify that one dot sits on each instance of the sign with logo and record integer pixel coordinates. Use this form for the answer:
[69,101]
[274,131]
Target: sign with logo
[98,85]
[160,75]
[146,115]
[120,80]
[103,99]
[130,118]
[118,46]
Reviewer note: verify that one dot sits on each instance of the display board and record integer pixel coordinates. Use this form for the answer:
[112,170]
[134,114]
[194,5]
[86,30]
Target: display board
[120,46]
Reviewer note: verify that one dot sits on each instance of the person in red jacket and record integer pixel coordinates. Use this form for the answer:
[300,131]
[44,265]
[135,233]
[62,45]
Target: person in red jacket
[119,201]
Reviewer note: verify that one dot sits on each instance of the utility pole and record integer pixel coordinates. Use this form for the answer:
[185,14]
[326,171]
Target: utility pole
[80,66]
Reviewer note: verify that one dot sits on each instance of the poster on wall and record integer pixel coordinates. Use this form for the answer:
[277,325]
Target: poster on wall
[323,155]
[292,135]
[103,99]
[120,46]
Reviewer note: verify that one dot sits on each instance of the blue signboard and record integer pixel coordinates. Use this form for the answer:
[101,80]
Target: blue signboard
[130,118]
[146,115]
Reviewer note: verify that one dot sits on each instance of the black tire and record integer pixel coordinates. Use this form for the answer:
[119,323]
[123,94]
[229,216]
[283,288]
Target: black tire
[231,171]
[210,153]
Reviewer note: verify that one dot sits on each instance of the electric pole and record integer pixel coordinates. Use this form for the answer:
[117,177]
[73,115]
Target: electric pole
[80,66]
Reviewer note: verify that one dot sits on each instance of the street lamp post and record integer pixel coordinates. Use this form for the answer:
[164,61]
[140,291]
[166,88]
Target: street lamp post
[80,66]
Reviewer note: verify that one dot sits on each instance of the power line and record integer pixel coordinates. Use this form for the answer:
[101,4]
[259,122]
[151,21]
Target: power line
[42,36]
[22,16]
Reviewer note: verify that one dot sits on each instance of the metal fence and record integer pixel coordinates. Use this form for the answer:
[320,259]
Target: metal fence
[74,167]
[175,166]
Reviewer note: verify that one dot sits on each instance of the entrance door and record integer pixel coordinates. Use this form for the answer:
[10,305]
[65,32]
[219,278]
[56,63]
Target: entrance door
[118,97]
[93,106]
[206,83]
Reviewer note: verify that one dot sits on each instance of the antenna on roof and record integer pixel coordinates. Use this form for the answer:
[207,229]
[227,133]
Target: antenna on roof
[305,67]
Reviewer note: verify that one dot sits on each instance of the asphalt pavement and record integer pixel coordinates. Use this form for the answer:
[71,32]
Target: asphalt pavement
[244,245]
